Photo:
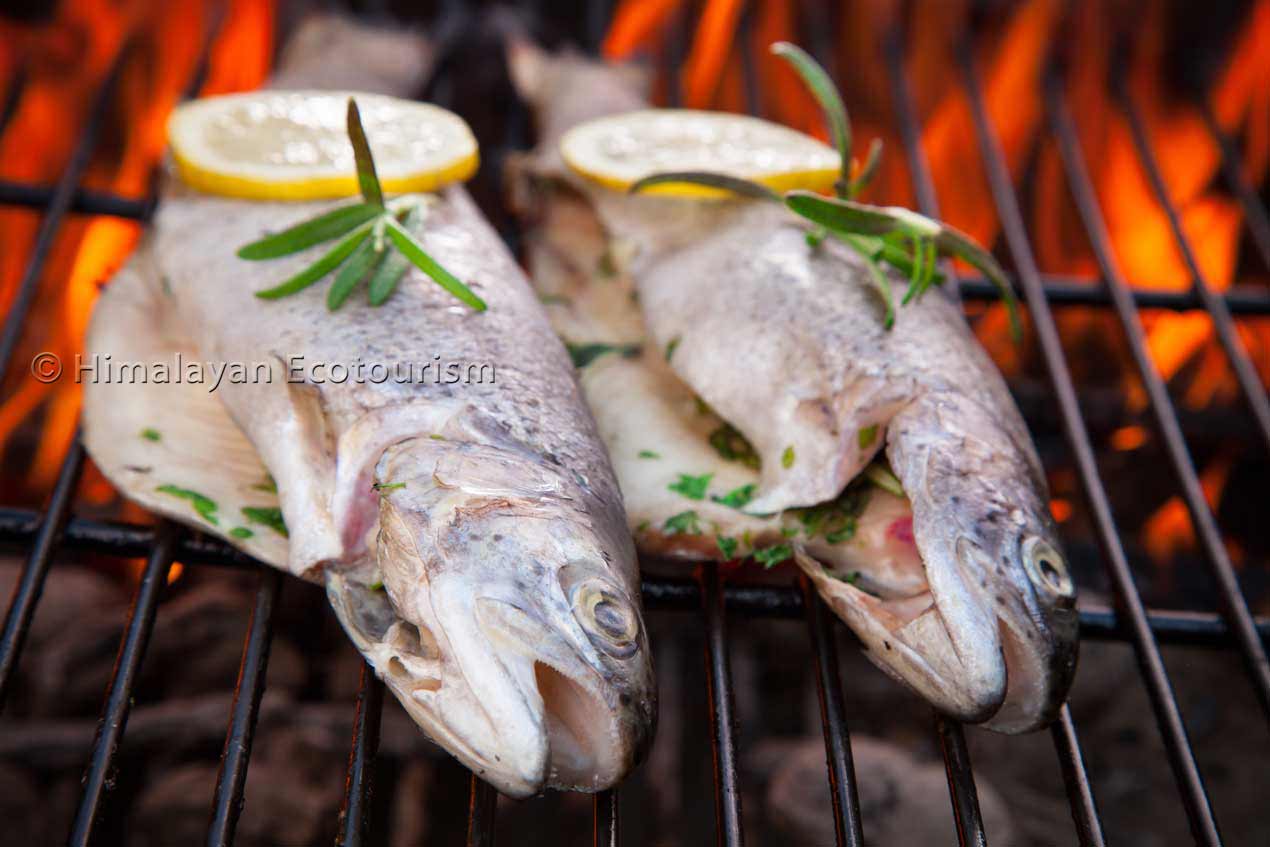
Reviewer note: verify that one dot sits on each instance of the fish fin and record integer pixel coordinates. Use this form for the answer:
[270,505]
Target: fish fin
[162,442]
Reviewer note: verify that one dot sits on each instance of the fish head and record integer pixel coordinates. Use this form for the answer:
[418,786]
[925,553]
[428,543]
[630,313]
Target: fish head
[978,614]
[533,665]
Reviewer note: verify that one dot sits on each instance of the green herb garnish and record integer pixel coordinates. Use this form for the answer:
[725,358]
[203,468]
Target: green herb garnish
[642,527]
[684,523]
[733,446]
[204,506]
[737,498]
[270,516]
[836,520]
[241,532]
[269,484]
[727,546]
[150,434]
[383,487]
[882,235]
[880,474]
[671,346]
[787,457]
[649,454]
[692,487]
[585,354]
[867,436]
[365,229]
[770,557]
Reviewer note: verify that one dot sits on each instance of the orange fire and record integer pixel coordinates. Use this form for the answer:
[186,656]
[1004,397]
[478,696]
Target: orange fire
[66,62]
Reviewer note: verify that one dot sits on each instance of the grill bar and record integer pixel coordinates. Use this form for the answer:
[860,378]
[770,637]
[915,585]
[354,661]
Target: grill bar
[1255,215]
[727,794]
[1150,663]
[961,782]
[1072,761]
[132,648]
[607,819]
[84,201]
[359,779]
[838,759]
[481,813]
[1249,381]
[26,594]
[231,779]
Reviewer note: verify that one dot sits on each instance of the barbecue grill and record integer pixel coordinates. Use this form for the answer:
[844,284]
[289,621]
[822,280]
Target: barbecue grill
[42,535]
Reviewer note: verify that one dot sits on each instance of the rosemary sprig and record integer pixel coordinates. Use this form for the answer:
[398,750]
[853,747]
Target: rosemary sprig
[907,241]
[365,229]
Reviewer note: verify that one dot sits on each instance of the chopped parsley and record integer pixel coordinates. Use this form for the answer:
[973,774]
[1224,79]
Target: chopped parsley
[835,520]
[649,454]
[585,354]
[789,531]
[692,487]
[643,526]
[671,346]
[684,523]
[770,557]
[737,498]
[204,506]
[270,516]
[727,546]
[377,585]
[867,436]
[151,434]
[879,473]
[241,532]
[383,487]
[733,446]
[436,437]
[787,458]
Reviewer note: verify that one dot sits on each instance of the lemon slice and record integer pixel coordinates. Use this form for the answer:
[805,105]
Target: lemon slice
[618,150]
[293,145]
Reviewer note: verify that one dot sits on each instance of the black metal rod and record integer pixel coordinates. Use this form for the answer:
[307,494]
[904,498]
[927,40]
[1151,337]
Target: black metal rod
[9,106]
[1234,605]
[727,793]
[961,782]
[114,719]
[481,814]
[59,204]
[26,594]
[607,828]
[1072,762]
[231,779]
[1129,601]
[1255,214]
[1065,291]
[83,201]
[833,721]
[1227,333]
[359,779]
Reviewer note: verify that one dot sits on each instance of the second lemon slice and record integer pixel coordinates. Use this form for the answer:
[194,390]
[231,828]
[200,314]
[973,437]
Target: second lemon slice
[618,150]
[293,145]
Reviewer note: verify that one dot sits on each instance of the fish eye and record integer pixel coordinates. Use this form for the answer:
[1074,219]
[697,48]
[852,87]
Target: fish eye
[1046,567]
[608,619]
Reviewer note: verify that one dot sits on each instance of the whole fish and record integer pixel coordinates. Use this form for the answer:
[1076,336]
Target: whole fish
[465,520]
[749,397]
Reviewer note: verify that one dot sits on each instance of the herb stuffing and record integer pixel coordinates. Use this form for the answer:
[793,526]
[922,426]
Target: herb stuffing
[365,230]
[692,487]
[384,487]
[684,523]
[241,532]
[270,516]
[900,238]
[770,557]
[649,454]
[787,458]
[151,434]
[737,498]
[727,546]
[867,436]
[733,446]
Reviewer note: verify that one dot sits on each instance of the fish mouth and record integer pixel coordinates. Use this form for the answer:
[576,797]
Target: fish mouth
[499,688]
[980,669]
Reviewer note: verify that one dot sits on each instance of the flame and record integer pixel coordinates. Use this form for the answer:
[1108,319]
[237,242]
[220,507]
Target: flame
[68,60]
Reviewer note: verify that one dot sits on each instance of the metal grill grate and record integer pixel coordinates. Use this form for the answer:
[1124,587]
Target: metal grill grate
[44,533]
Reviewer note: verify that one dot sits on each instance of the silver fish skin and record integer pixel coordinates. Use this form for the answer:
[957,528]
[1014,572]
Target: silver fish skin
[786,343]
[509,622]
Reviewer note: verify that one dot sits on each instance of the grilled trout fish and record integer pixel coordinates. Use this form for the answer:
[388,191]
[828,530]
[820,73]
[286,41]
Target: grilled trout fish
[466,523]
[748,392]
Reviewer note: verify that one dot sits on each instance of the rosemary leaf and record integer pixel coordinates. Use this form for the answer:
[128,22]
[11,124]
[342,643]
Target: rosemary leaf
[723,182]
[869,170]
[880,283]
[957,243]
[826,94]
[357,268]
[367,179]
[321,267]
[333,224]
[414,251]
[387,276]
